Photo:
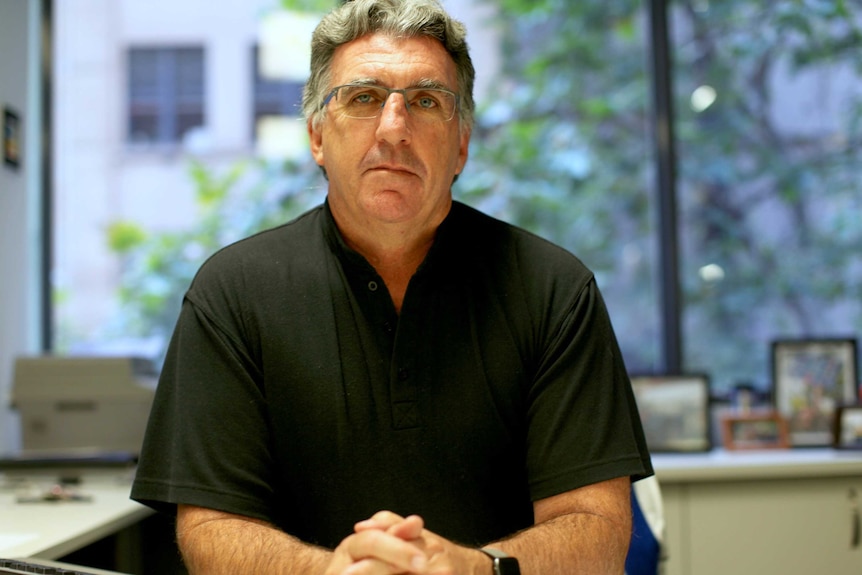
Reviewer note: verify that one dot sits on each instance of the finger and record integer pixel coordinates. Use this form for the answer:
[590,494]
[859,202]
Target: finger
[409,529]
[374,567]
[378,545]
[382,520]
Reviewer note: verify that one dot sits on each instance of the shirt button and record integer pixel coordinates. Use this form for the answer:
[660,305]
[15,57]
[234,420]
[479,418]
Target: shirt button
[403,374]
[387,327]
[372,285]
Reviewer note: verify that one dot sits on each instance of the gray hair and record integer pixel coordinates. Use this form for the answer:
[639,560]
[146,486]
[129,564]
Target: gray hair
[398,18]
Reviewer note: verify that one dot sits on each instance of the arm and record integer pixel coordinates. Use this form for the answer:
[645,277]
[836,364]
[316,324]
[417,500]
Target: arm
[584,531]
[214,542]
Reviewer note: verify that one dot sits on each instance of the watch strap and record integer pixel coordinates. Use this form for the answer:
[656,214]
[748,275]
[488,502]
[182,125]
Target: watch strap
[503,564]
[493,553]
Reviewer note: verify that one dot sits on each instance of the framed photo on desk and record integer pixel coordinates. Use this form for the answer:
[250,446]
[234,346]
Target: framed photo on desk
[674,411]
[848,427]
[766,430]
[811,379]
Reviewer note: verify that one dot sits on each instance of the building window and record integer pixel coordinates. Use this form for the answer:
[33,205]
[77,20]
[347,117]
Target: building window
[166,94]
[273,97]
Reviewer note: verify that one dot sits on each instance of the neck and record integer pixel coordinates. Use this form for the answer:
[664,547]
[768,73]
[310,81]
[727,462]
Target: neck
[394,250]
[395,261]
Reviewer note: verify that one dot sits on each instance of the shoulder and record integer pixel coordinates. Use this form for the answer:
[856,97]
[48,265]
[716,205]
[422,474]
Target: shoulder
[289,237]
[289,243]
[516,251]
[258,268]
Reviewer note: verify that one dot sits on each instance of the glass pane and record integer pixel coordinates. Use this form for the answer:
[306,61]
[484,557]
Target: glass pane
[143,127]
[166,84]
[187,122]
[190,74]
[561,147]
[274,97]
[143,73]
[769,102]
[152,179]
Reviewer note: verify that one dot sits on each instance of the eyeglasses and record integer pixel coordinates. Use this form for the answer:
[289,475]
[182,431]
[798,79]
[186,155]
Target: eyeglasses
[365,102]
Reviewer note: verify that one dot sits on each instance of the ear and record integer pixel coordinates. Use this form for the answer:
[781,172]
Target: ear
[315,137]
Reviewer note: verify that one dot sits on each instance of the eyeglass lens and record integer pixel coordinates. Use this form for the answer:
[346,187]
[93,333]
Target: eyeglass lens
[428,104]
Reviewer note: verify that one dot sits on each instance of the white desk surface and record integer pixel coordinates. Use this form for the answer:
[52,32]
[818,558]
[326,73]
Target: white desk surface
[723,465]
[50,530]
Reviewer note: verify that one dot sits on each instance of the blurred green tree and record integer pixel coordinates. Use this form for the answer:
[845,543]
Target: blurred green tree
[158,267]
[770,205]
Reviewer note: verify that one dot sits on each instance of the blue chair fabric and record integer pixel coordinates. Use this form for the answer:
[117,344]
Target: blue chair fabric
[646,549]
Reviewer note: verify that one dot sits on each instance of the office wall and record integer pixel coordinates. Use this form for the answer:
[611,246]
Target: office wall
[20,190]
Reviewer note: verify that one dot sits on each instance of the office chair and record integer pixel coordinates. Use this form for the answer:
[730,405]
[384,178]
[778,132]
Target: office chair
[647,549]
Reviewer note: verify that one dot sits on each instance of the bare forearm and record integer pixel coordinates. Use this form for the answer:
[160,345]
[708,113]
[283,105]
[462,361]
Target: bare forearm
[584,531]
[237,545]
[574,543]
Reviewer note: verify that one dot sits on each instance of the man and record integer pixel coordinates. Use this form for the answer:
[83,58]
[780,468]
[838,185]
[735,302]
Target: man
[394,380]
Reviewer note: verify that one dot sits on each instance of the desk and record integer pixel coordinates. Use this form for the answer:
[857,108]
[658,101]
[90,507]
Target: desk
[756,512]
[51,530]
[723,465]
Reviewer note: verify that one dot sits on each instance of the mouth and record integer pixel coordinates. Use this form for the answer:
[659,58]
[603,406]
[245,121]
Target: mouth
[392,168]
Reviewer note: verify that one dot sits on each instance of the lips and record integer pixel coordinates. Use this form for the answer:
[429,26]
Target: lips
[392,161]
[393,168]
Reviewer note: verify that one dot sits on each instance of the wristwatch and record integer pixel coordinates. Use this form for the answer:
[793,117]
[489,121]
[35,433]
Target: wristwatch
[503,564]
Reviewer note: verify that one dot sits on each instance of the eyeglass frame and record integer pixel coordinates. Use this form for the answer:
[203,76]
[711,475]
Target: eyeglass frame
[389,91]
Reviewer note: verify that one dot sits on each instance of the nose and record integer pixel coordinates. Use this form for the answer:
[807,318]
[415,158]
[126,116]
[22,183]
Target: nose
[393,125]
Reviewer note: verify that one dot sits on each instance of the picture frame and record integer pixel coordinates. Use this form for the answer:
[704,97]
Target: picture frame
[11,138]
[674,411]
[767,430]
[811,378]
[848,427]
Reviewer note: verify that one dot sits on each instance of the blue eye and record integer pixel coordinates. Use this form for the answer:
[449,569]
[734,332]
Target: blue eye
[427,102]
[364,98]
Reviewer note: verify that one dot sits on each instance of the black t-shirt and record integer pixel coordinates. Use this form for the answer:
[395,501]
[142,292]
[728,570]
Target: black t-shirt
[293,392]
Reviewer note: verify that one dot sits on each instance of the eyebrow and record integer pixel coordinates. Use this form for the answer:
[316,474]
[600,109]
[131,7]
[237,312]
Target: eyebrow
[421,83]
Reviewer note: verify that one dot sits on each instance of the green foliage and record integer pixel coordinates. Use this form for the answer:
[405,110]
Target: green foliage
[318,6]
[123,237]
[564,149]
[765,192]
[157,268]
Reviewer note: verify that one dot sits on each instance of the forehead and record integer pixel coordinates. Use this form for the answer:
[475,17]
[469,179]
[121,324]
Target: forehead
[393,62]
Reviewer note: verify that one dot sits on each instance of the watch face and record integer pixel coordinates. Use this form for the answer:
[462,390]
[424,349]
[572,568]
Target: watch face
[506,566]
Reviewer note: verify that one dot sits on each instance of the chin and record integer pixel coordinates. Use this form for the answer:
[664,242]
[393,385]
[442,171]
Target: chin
[393,206]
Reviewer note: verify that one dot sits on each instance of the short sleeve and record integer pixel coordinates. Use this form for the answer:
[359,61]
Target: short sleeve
[583,424]
[207,441]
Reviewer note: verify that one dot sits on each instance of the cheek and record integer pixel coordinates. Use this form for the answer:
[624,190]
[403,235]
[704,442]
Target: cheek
[452,150]
[343,151]
[454,160]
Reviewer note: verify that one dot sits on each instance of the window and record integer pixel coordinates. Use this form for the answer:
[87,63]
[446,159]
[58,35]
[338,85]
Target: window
[546,155]
[274,97]
[131,224]
[769,110]
[166,94]
[562,147]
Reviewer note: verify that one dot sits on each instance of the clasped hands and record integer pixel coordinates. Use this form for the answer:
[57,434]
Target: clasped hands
[388,544]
